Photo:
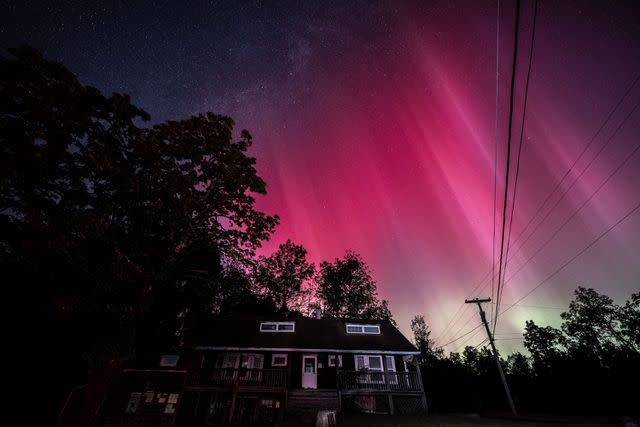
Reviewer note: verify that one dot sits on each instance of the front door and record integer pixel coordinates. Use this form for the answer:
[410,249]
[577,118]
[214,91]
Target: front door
[309,371]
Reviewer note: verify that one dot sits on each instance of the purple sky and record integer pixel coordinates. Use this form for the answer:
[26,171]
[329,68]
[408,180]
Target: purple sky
[374,129]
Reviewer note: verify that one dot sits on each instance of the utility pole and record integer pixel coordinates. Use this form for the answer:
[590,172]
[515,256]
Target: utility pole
[495,352]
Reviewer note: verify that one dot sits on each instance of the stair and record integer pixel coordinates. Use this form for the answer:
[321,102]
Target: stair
[304,404]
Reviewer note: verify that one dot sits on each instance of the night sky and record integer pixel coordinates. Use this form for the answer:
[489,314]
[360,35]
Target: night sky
[374,130]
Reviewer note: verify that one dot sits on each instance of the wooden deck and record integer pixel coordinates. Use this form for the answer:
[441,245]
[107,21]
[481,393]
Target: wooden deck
[264,380]
[367,382]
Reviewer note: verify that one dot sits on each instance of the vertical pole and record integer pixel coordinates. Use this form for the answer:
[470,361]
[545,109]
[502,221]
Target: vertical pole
[195,410]
[234,396]
[483,317]
[423,396]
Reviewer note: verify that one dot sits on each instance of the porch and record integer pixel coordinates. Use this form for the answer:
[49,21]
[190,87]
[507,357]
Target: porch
[384,382]
[268,380]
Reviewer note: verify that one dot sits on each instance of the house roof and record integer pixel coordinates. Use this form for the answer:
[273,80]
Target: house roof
[243,332]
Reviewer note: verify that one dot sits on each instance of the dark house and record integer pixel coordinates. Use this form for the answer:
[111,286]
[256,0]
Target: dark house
[257,370]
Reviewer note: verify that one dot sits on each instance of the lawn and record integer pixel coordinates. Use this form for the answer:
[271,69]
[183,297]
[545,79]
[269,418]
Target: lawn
[460,420]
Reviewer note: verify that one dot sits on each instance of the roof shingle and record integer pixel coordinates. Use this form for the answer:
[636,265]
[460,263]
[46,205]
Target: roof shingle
[310,333]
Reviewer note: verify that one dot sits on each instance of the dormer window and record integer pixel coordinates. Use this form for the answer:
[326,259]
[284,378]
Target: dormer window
[277,326]
[169,360]
[357,328]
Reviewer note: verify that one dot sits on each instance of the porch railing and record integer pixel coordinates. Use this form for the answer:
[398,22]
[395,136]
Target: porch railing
[378,380]
[260,378]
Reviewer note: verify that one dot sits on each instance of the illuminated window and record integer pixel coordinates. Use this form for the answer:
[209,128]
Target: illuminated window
[277,326]
[279,360]
[169,360]
[371,367]
[353,328]
[332,360]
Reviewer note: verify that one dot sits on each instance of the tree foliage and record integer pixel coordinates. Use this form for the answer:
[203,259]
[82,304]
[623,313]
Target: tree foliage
[100,215]
[424,343]
[281,275]
[346,288]
[584,366]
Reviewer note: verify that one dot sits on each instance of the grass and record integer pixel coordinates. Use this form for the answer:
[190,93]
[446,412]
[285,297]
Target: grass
[349,420]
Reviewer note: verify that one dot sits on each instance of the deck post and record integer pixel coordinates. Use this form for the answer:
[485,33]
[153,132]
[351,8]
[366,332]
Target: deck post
[233,403]
[195,411]
[423,395]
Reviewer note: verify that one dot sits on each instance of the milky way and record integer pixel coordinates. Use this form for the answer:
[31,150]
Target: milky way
[374,129]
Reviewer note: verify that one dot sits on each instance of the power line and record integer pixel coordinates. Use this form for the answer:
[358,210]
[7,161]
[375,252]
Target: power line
[495,156]
[484,341]
[576,256]
[495,162]
[541,307]
[558,185]
[460,310]
[610,115]
[464,325]
[515,183]
[463,344]
[602,184]
[550,195]
[461,336]
[508,168]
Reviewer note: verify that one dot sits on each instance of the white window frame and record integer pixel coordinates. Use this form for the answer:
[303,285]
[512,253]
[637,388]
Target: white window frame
[331,361]
[278,365]
[391,368]
[169,360]
[279,327]
[362,327]
[366,360]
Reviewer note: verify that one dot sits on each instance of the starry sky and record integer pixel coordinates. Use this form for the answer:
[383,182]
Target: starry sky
[375,129]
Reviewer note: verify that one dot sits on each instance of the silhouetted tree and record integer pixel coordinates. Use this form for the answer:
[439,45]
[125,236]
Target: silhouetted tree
[478,361]
[424,343]
[281,275]
[346,288]
[546,345]
[630,320]
[594,325]
[518,365]
[112,230]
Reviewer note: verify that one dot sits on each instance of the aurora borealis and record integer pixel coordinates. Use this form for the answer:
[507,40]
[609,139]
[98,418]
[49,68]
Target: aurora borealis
[374,130]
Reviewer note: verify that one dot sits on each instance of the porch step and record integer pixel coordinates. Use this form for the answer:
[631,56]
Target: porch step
[310,400]
[303,405]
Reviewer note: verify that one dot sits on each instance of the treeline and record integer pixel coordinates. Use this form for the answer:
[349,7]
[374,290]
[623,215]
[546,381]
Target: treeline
[116,236]
[590,365]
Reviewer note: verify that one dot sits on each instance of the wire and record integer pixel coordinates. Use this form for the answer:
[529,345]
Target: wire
[555,189]
[542,307]
[541,207]
[558,185]
[484,341]
[515,182]
[460,309]
[602,184]
[508,168]
[495,156]
[565,264]
[461,336]
[463,344]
